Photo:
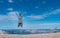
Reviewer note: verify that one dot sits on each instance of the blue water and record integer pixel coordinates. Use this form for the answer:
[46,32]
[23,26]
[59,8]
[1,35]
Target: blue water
[28,31]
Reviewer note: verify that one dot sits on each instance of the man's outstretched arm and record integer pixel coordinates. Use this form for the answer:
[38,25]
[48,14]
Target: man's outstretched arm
[17,14]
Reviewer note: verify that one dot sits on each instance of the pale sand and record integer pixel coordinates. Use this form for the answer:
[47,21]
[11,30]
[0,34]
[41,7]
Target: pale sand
[50,35]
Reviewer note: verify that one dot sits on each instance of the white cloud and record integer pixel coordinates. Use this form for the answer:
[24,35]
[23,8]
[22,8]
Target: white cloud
[42,26]
[49,24]
[12,15]
[9,21]
[3,17]
[54,12]
[10,1]
[36,7]
[35,16]
[9,16]
[10,9]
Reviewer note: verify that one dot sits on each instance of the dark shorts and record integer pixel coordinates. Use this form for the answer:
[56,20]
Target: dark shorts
[19,24]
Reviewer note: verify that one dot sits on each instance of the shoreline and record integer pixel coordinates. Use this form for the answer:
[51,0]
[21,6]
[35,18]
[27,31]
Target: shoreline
[50,35]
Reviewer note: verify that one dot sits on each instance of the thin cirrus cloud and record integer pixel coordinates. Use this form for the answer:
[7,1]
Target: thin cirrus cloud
[35,17]
[9,21]
[10,9]
[9,16]
[43,26]
[43,2]
[10,1]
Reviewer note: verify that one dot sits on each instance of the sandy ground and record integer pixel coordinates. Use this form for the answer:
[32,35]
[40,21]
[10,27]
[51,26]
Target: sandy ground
[50,35]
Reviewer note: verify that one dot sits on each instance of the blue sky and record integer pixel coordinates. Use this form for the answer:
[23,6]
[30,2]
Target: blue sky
[38,14]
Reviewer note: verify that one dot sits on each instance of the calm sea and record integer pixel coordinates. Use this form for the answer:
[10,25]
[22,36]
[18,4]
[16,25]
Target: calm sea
[29,31]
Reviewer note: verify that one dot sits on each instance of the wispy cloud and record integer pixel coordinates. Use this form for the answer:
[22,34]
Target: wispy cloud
[43,2]
[9,16]
[10,1]
[3,17]
[36,7]
[54,12]
[10,9]
[42,26]
[12,15]
[9,21]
